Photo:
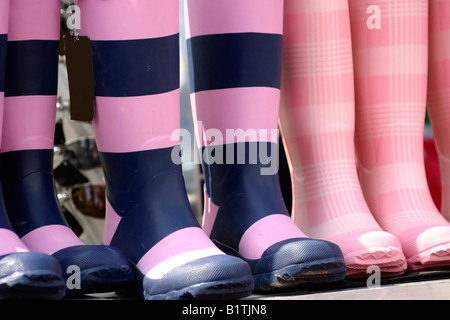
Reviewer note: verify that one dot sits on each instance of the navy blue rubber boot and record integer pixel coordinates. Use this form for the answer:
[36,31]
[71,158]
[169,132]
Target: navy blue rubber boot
[32,206]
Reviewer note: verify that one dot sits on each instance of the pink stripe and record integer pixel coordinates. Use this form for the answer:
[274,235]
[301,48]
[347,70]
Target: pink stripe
[210,213]
[301,89]
[292,7]
[369,66]
[380,90]
[237,109]
[50,239]
[399,23]
[232,16]
[180,242]
[36,130]
[266,232]
[37,20]
[112,220]
[4,13]
[137,123]
[297,26]
[10,242]
[124,20]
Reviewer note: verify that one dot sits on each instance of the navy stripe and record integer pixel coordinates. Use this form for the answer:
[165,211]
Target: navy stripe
[3,48]
[147,189]
[29,190]
[241,192]
[136,67]
[4,220]
[32,68]
[235,60]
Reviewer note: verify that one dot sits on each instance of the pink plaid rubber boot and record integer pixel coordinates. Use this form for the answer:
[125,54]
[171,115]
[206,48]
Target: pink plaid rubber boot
[390,48]
[439,92]
[317,121]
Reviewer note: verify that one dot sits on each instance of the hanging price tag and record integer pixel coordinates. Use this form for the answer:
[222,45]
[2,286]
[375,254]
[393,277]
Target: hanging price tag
[80,72]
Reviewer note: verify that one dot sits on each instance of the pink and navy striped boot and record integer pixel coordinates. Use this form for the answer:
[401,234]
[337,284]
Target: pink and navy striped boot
[23,274]
[135,48]
[318,123]
[235,67]
[391,91]
[27,152]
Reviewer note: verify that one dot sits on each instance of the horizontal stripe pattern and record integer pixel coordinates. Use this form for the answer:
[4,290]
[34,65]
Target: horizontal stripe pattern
[136,68]
[234,65]
[235,60]
[235,52]
[125,68]
[32,68]
[31,74]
